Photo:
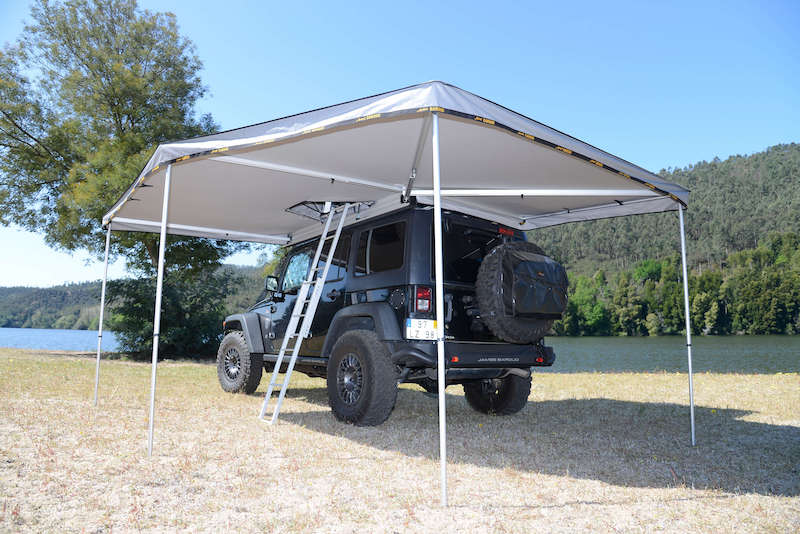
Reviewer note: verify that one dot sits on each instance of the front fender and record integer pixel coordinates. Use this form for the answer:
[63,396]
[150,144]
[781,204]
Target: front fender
[251,326]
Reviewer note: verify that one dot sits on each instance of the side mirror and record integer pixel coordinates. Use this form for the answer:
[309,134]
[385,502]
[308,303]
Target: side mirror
[271,289]
[271,283]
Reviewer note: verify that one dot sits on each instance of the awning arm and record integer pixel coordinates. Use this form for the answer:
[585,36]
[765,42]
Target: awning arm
[614,193]
[211,233]
[423,137]
[299,171]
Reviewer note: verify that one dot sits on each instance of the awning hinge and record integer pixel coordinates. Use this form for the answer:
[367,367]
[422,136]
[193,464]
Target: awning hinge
[409,187]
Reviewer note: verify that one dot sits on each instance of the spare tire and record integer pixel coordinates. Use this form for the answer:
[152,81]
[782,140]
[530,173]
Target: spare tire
[520,270]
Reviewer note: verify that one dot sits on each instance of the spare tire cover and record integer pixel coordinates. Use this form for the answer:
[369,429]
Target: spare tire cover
[520,292]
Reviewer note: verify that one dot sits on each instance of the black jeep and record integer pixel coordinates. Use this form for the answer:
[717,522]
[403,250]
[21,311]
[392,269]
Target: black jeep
[374,327]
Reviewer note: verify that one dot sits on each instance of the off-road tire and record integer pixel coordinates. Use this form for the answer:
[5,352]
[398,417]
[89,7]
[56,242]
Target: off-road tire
[237,369]
[362,380]
[489,292]
[498,396]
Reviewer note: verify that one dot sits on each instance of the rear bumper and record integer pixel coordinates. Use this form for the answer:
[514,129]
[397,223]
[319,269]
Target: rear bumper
[462,354]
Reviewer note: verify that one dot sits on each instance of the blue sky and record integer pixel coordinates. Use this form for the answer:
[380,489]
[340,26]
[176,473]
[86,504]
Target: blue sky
[662,84]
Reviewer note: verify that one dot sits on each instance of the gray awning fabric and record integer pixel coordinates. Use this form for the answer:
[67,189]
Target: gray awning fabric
[239,184]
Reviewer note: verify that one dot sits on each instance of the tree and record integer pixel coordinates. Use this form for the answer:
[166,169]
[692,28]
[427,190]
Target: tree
[87,92]
[191,324]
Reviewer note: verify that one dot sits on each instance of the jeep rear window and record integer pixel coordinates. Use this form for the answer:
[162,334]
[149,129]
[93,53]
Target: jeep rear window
[464,249]
[381,249]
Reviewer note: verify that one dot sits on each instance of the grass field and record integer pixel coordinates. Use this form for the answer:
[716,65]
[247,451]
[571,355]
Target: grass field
[590,452]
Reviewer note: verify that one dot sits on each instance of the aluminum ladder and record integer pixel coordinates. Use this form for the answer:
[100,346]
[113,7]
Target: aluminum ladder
[304,308]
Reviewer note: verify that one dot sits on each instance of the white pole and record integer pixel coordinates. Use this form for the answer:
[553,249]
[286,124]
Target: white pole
[437,240]
[102,309]
[157,314]
[688,320]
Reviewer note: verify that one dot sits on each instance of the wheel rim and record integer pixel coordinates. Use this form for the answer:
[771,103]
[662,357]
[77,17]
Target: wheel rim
[349,379]
[232,364]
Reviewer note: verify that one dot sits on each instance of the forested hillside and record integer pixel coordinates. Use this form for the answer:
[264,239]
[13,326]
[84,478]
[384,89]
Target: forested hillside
[74,306]
[734,204]
[756,291]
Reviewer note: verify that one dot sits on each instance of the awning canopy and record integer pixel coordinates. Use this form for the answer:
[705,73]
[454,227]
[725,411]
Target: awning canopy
[496,164]
[433,142]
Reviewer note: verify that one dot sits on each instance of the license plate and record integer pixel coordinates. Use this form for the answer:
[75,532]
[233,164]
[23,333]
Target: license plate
[420,329]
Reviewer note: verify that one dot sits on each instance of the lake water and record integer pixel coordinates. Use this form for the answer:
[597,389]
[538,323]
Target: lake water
[48,339]
[729,354]
[723,354]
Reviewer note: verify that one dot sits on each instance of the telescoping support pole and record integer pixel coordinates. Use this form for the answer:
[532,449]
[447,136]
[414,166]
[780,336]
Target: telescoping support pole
[688,319]
[437,240]
[157,314]
[102,309]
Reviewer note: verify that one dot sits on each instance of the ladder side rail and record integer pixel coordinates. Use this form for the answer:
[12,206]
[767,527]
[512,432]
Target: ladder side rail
[313,270]
[310,311]
[291,328]
[320,283]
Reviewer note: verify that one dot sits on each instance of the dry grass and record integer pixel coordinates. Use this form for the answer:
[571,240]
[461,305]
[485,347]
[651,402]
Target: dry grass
[598,452]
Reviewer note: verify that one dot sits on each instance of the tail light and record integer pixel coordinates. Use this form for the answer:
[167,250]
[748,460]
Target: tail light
[423,300]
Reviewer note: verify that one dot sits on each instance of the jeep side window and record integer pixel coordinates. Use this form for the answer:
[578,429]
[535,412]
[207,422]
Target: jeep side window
[296,271]
[381,249]
[338,268]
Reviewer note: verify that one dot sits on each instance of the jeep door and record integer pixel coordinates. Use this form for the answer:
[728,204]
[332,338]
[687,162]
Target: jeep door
[332,298]
[294,273]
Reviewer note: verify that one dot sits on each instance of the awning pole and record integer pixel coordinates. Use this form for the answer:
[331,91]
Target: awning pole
[437,241]
[157,314]
[102,309]
[688,319]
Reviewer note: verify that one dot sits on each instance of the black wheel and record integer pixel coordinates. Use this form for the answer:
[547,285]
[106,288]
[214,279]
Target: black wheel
[362,381]
[237,369]
[430,385]
[498,396]
[489,292]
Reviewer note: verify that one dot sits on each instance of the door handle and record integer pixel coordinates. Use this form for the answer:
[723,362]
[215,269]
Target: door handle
[333,294]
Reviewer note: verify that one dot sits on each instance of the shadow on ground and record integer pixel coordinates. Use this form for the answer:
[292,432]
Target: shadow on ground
[618,442]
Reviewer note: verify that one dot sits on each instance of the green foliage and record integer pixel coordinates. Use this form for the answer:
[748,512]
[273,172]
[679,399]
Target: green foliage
[757,291]
[647,270]
[89,89]
[191,313]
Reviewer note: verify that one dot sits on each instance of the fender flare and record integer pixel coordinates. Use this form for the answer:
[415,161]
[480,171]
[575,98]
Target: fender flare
[250,325]
[385,321]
